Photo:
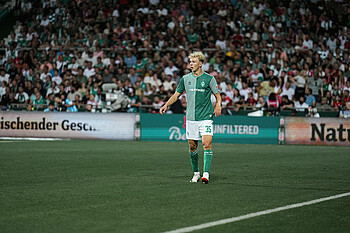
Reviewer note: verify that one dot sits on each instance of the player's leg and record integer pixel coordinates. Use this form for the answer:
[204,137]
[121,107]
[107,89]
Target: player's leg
[206,130]
[208,154]
[192,135]
[193,144]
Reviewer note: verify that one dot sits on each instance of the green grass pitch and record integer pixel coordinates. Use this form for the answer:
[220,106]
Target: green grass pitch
[109,186]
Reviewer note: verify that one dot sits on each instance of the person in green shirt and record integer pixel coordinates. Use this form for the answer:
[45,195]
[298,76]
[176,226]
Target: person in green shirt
[39,99]
[192,36]
[81,78]
[199,87]
[139,66]
[134,102]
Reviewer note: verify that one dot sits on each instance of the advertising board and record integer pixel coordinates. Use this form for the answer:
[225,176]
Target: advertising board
[118,126]
[317,131]
[227,129]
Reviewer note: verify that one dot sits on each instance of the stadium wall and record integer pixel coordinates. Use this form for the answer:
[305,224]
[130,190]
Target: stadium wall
[154,127]
[316,131]
[227,129]
[117,126]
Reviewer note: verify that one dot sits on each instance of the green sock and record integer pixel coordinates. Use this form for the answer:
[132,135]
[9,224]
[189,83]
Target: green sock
[208,154]
[194,160]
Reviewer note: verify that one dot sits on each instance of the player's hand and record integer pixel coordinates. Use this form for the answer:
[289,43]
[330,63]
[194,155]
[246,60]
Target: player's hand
[163,109]
[217,110]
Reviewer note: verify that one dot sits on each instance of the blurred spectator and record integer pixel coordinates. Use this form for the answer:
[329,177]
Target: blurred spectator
[310,99]
[51,107]
[65,104]
[92,101]
[39,100]
[168,83]
[246,43]
[288,91]
[286,103]
[240,104]
[135,102]
[300,105]
[4,76]
[266,88]
[345,113]
[157,104]
[3,88]
[21,97]
[170,69]
[323,104]
[251,100]
[316,85]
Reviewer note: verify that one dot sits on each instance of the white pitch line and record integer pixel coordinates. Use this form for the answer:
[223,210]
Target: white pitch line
[32,139]
[256,214]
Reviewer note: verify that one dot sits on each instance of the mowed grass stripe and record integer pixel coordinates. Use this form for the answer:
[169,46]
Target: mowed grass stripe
[256,214]
[108,186]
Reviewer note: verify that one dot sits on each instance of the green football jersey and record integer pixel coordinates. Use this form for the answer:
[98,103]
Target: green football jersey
[198,92]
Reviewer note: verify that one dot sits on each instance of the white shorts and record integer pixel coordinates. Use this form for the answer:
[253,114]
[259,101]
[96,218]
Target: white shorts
[196,129]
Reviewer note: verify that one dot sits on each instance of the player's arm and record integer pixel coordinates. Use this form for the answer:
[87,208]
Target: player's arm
[172,100]
[217,109]
[214,88]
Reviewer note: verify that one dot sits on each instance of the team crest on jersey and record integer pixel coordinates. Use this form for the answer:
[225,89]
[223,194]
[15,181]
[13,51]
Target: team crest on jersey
[202,83]
[189,83]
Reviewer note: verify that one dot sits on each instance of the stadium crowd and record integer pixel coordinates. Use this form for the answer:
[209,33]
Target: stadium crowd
[264,54]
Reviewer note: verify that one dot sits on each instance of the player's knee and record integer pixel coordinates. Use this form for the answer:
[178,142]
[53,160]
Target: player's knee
[207,145]
[193,147]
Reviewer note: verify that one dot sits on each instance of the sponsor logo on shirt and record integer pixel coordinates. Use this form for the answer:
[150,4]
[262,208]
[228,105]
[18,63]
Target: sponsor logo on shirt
[195,89]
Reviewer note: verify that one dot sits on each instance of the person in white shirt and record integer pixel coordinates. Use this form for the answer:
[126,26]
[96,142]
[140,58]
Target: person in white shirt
[45,21]
[332,43]
[2,89]
[168,83]
[106,60]
[154,2]
[44,74]
[221,42]
[301,105]
[288,91]
[53,90]
[4,76]
[21,96]
[323,52]
[229,91]
[153,81]
[347,87]
[244,91]
[89,70]
[256,77]
[162,11]
[307,43]
[205,66]
[170,69]
[144,9]
[74,66]
[56,78]
[115,13]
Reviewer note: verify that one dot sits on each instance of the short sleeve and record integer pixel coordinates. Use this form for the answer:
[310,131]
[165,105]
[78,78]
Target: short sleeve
[214,86]
[181,87]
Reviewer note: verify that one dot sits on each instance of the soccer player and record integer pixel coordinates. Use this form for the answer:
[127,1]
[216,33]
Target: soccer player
[199,116]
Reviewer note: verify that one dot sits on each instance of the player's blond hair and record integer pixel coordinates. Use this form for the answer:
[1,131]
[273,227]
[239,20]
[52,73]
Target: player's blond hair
[198,55]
